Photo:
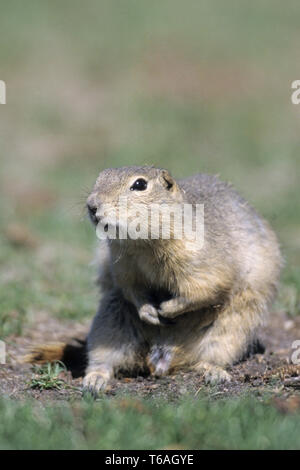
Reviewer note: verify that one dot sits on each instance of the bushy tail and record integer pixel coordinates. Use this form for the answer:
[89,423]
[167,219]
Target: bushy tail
[42,353]
[72,354]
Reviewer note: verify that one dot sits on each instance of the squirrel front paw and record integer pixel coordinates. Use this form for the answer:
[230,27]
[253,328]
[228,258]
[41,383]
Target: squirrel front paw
[170,308]
[94,383]
[152,316]
[149,314]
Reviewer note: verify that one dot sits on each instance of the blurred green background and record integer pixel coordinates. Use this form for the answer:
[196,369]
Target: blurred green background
[194,86]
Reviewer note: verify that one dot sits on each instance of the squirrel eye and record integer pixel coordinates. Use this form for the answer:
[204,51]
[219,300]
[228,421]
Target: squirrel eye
[139,185]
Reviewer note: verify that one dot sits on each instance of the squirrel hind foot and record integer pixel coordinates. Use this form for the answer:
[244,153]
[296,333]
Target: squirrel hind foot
[159,360]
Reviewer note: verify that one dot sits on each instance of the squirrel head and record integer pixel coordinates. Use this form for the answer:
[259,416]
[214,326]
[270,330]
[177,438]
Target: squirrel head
[131,192]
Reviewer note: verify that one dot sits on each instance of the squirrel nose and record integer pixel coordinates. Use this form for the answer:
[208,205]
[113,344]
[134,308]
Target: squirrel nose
[92,210]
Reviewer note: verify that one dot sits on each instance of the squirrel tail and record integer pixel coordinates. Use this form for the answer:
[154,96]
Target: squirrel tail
[42,353]
[72,354]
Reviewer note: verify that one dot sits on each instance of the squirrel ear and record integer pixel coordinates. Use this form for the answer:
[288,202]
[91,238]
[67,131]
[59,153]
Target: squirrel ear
[167,180]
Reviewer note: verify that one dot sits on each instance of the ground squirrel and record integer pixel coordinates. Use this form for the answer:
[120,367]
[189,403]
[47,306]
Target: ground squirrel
[178,303]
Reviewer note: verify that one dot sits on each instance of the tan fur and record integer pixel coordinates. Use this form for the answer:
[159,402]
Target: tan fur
[170,304]
[218,294]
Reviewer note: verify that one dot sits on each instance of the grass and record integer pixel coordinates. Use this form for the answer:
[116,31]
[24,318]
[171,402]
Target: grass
[47,377]
[126,423]
[193,86]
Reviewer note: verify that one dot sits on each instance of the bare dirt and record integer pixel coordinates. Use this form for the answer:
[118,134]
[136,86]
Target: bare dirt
[271,372]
